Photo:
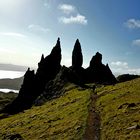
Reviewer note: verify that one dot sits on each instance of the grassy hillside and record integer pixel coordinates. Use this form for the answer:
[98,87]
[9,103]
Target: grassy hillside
[6,98]
[11,83]
[119,110]
[62,118]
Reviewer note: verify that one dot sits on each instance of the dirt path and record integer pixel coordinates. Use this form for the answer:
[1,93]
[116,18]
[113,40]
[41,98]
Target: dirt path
[92,131]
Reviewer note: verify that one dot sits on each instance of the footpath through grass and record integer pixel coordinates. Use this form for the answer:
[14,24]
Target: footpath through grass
[119,109]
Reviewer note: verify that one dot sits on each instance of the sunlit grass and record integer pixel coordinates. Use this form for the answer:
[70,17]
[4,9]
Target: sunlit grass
[117,115]
[61,118]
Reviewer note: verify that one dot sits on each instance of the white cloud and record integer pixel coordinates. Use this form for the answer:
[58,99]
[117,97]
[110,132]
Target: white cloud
[13,34]
[38,28]
[136,42]
[79,19]
[120,64]
[66,8]
[120,67]
[132,23]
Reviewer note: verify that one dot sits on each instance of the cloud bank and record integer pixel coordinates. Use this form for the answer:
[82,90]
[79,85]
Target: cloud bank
[132,23]
[79,19]
[75,18]
[120,67]
[38,28]
[66,8]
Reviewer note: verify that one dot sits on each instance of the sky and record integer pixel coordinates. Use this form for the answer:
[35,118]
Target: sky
[29,28]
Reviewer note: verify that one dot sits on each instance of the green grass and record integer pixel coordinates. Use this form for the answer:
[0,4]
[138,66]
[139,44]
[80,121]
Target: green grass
[117,115]
[63,118]
[6,98]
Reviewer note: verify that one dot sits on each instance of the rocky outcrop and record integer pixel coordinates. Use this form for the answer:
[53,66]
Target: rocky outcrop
[49,80]
[25,96]
[98,72]
[48,68]
[77,57]
[56,87]
[77,61]
[34,84]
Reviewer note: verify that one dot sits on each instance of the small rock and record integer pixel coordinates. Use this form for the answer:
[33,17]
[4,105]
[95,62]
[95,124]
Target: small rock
[134,127]
[132,105]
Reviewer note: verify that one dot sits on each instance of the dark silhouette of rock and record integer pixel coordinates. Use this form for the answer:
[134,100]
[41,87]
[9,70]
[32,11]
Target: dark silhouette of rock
[77,61]
[126,77]
[55,87]
[48,68]
[34,84]
[25,96]
[98,72]
[77,57]
[50,78]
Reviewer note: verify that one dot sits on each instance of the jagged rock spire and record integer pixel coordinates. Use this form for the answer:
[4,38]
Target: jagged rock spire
[77,57]
[42,57]
[96,60]
[56,51]
[41,61]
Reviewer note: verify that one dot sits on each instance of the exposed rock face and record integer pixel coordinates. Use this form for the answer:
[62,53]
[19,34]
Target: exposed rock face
[77,61]
[98,72]
[77,57]
[34,84]
[50,79]
[48,68]
[96,60]
[55,87]
[26,94]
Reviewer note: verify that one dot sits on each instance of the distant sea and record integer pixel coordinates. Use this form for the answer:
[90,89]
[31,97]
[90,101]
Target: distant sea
[10,74]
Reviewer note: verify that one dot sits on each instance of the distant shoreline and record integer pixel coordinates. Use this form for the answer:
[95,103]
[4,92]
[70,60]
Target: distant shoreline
[8,90]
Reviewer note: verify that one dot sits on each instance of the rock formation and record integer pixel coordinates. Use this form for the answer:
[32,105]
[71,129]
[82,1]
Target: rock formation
[34,84]
[26,94]
[50,78]
[98,72]
[48,68]
[56,87]
[77,57]
[77,61]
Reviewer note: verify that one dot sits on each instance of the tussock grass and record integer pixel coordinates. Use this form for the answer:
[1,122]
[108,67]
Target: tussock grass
[119,109]
[58,119]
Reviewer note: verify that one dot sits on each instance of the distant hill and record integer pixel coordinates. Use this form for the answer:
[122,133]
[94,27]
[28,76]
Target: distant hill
[6,98]
[12,67]
[14,84]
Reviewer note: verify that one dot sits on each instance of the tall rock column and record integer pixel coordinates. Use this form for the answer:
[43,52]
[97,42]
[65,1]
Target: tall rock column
[77,57]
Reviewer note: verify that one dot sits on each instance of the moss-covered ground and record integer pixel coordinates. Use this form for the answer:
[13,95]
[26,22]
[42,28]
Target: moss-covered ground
[119,109]
[63,118]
